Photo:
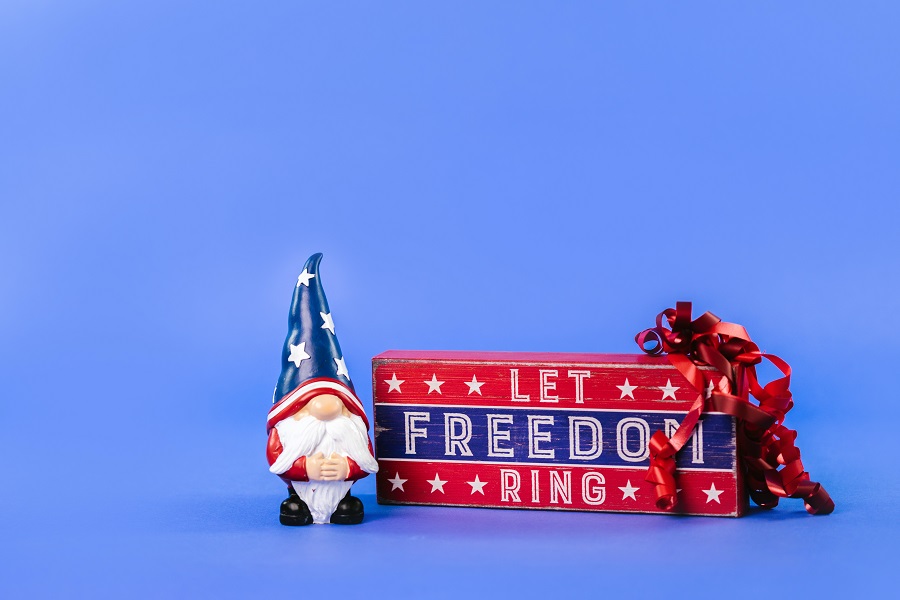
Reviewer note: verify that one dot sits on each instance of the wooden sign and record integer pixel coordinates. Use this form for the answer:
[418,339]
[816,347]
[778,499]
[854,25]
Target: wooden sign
[543,431]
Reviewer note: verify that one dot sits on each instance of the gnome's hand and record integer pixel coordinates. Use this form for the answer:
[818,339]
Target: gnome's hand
[314,465]
[335,468]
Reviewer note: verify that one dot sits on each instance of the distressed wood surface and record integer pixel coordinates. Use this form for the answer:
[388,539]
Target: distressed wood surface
[542,431]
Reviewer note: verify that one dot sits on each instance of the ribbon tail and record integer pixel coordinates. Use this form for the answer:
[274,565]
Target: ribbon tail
[662,471]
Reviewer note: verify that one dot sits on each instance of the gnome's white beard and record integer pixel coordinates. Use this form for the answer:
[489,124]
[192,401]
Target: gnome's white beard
[308,436]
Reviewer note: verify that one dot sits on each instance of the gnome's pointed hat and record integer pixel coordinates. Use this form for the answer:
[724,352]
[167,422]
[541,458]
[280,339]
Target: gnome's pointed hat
[311,362]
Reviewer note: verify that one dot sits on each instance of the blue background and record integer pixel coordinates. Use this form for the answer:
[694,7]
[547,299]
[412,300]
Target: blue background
[480,175]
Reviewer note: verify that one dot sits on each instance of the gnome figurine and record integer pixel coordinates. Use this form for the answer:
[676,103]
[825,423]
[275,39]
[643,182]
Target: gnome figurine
[318,431]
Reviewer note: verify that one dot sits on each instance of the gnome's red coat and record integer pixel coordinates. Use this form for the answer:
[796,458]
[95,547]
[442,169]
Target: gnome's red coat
[293,403]
[297,472]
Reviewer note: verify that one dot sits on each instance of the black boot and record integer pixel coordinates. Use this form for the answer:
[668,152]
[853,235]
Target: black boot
[349,511]
[294,510]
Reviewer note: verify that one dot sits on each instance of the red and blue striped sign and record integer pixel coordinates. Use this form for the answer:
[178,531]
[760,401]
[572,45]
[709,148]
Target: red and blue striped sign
[545,431]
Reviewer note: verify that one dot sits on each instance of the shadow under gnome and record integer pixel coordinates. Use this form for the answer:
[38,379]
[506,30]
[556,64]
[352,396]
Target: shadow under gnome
[318,431]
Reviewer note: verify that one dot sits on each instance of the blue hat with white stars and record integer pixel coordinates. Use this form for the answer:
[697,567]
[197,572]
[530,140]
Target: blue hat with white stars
[311,362]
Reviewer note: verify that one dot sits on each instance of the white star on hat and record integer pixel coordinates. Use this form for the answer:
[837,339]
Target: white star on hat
[298,354]
[341,367]
[329,322]
[304,278]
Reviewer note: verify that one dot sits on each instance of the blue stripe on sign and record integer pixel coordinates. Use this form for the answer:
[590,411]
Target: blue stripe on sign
[528,435]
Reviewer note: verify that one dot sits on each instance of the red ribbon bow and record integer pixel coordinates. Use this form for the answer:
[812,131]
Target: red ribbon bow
[770,459]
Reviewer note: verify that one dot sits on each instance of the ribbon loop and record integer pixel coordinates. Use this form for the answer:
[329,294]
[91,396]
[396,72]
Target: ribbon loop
[769,457]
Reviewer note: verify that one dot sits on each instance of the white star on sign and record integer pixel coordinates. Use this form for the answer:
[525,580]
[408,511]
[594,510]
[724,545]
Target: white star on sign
[477,485]
[304,278]
[668,390]
[397,483]
[474,386]
[628,491]
[436,484]
[434,385]
[394,384]
[342,368]
[710,389]
[329,322]
[713,494]
[298,354]
[627,390]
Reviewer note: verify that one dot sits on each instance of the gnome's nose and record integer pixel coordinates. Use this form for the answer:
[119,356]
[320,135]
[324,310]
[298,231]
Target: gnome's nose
[325,407]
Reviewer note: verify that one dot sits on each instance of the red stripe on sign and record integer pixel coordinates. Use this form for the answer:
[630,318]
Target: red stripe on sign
[551,488]
[634,386]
